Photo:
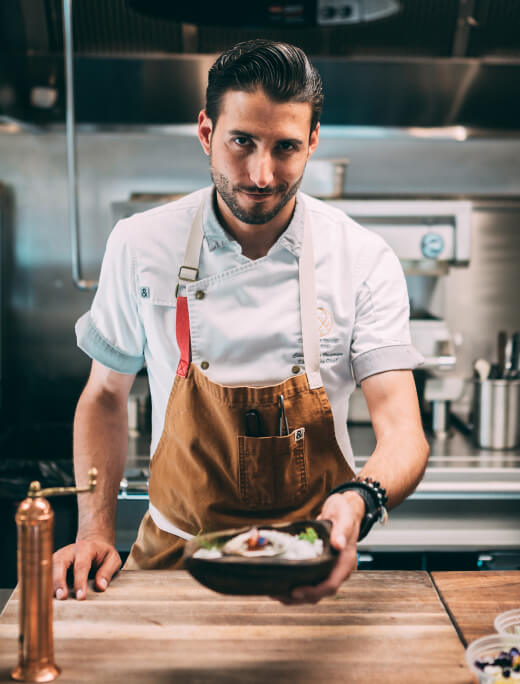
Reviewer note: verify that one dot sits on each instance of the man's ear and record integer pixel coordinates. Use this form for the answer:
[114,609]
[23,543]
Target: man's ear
[313,140]
[205,128]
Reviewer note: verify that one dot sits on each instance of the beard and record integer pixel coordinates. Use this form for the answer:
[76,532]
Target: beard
[255,215]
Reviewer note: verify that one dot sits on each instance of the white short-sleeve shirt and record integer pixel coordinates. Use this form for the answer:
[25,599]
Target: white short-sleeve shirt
[247,325]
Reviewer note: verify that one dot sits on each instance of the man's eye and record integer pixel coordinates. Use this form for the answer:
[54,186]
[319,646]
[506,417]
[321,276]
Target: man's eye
[286,146]
[241,141]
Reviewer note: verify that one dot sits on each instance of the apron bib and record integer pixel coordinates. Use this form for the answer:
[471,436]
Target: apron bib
[208,471]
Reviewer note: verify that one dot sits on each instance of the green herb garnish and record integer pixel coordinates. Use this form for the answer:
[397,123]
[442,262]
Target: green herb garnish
[215,544]
[309,535]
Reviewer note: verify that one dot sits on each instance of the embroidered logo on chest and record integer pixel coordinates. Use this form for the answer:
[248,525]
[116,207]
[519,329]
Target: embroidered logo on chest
[325,321]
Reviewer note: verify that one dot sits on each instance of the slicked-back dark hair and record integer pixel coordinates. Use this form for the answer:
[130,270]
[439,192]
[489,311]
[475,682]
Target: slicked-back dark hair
[282,70]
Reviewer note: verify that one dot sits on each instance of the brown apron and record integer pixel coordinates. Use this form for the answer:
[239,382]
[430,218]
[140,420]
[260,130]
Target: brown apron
[207,474]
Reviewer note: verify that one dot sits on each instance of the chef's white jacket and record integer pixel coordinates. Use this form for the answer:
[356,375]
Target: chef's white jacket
[245,314]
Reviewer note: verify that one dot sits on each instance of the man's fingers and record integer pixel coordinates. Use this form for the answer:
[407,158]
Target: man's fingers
[347,563]
[344,514]
[85,554]
[342,570]
[108,567]
[62,560]
[82,556]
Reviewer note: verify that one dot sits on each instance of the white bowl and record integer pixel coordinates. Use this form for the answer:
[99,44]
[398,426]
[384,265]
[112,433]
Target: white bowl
[489,647]
[508,622]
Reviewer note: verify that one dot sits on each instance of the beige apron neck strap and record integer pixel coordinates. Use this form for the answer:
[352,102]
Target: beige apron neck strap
[309,308]
[189,272]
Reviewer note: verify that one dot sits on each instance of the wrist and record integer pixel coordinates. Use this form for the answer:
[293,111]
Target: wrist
[374,497]
[357,504]
[103,535]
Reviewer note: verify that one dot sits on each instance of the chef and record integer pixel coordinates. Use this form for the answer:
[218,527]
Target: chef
[256,309]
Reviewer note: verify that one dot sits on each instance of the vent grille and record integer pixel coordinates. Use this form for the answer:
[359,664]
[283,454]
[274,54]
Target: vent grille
[104,27]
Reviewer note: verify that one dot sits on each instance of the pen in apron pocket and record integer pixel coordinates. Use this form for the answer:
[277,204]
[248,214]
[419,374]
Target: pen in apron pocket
[283,425]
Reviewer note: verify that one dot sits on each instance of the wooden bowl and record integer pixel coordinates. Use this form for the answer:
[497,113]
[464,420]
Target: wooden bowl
[260,576]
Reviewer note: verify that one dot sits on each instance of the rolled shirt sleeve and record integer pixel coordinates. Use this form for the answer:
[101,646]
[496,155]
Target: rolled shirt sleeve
[381,335]
[112,332]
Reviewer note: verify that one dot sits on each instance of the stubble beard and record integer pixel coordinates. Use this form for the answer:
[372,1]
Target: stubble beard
[256,215]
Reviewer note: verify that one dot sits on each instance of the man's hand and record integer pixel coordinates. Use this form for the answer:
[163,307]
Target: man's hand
[82,556]
[346,512]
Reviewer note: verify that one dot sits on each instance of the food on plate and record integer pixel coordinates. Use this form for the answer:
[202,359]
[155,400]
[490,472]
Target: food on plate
[265,543]
[501,669]
[256,543]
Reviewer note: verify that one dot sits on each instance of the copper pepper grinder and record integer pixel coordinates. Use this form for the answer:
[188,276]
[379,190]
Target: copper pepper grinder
[35,523]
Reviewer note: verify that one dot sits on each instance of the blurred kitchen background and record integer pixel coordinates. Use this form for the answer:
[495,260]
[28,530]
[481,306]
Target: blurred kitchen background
[420,141]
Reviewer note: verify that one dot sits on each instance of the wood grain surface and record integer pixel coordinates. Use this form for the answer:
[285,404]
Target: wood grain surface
[161,626]
[474,599]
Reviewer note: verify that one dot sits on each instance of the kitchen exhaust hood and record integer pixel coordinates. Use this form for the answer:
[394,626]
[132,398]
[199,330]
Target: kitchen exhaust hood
[392,63]
[269,12]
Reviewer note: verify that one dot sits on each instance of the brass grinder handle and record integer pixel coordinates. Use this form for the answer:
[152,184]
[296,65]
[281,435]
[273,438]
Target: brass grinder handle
[35,489]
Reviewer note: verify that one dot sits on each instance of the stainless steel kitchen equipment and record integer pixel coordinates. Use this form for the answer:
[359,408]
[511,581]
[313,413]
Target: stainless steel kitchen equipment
[497,414]
[429,237]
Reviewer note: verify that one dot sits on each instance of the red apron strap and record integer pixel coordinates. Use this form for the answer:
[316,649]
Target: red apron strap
[183,335]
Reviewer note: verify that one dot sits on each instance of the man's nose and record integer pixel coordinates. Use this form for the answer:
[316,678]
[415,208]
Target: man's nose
[261,169]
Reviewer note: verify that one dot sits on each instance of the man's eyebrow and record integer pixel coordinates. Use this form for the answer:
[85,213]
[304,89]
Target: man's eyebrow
[245,134]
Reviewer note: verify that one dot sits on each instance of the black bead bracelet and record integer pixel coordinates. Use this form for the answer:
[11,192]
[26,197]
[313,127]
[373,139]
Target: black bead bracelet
[375,499]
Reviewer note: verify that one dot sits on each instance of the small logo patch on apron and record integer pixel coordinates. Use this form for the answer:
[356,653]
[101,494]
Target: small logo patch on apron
[299,434]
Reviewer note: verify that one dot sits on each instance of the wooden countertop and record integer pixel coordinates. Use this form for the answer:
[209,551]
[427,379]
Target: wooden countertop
[475,599]
[162,626]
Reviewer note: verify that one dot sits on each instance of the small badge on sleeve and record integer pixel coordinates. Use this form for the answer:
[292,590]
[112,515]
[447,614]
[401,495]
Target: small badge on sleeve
[144,292]
[298,434]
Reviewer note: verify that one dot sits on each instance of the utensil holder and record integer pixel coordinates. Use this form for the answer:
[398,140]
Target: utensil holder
[496,414]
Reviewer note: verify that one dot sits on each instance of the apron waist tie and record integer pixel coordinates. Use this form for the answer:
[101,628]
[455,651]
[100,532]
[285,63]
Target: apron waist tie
[165,525]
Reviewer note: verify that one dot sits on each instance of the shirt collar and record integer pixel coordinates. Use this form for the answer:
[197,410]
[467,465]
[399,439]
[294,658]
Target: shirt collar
[217,238]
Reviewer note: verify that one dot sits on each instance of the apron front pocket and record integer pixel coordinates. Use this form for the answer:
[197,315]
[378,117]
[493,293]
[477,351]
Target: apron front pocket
[273,471]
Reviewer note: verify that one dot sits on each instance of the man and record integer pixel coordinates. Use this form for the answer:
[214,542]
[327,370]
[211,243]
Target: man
[248,301]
